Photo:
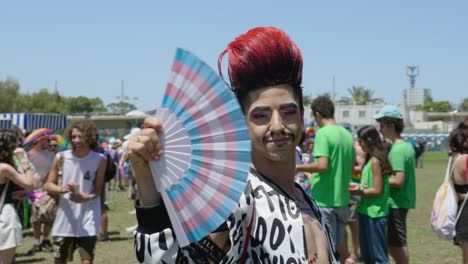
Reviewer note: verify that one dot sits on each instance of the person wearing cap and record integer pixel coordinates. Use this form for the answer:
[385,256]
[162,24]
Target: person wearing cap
[402,182]
[42,159]
[334,161]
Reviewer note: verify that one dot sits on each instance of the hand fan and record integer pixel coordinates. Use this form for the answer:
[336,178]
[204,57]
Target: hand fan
[206,146]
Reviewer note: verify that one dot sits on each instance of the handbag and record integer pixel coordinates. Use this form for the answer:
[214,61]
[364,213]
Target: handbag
[444,216]
[45,209]
[3,197]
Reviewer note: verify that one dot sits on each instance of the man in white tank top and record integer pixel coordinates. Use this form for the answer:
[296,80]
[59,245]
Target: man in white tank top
[79,212]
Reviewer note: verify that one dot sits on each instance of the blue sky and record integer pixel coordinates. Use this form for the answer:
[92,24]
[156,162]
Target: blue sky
[88,47]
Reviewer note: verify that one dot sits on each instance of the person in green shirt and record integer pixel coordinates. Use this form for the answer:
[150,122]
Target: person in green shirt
[402,182]
[332,168]
[374,189]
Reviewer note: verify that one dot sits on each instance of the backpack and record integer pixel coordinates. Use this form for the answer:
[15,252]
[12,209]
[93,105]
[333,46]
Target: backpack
[111,168]
[444,215]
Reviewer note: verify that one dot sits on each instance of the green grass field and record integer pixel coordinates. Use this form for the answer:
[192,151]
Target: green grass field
[118,250]
[424,245]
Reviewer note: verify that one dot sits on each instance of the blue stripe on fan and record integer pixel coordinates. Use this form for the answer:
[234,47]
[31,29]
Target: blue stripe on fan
[238,185]
[224,210]
[192,172]
[198,66]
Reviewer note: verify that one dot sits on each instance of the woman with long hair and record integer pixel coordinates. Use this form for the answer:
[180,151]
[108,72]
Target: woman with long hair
[10,225]
[458,144]
[374,189]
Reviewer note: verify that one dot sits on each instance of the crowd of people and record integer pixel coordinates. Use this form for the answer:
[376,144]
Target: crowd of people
[366,183]
[74,215]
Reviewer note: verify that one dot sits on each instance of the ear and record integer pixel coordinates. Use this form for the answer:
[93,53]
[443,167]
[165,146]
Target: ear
[317,115]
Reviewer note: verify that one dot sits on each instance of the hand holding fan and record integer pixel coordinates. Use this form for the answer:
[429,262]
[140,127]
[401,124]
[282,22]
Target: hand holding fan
[206,143]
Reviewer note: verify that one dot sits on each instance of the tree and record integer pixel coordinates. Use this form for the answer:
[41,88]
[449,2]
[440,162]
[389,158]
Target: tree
[10,98]
[464,105]
[45,102]
[360,96]
[435,106]
[306,100]
[121,107]
[82,104]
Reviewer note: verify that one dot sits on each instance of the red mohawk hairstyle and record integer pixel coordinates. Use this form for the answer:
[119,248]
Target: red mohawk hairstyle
[264,56]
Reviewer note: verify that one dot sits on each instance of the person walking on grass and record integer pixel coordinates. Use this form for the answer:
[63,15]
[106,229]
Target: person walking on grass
[458,144]
[10,225]
[334,162]
[41,157]
[76,225]
[402,181]
[374,191]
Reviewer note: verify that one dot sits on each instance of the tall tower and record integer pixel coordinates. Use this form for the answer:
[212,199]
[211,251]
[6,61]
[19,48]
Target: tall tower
[414,96]
[412,71]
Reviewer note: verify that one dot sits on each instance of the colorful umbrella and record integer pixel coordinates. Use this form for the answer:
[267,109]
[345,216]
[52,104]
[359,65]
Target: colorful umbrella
[207,148]
[62,142]
[36,135]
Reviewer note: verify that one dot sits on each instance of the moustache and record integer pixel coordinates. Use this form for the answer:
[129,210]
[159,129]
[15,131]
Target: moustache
[269,136]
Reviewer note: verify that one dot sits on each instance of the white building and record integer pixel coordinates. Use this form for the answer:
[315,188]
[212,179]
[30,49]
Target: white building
[357,115]
[416,96]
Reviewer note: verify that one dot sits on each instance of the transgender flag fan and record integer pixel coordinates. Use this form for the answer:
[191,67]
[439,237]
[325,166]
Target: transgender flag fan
[207,149]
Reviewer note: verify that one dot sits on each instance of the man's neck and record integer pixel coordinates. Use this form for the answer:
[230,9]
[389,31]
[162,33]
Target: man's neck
[395,138]
[37,148]
[281,173]
[328,121]
[81,153]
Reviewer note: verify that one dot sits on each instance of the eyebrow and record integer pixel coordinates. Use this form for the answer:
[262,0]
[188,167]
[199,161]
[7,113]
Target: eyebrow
[282,107]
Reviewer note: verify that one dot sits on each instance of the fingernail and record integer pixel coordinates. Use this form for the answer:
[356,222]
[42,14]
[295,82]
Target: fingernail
[157,157]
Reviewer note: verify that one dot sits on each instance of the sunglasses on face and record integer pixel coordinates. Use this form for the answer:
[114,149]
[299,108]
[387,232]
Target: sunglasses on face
[53,145]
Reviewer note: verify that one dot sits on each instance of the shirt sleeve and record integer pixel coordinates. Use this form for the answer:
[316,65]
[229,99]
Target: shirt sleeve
[321,146]
[154,238]
[397,159]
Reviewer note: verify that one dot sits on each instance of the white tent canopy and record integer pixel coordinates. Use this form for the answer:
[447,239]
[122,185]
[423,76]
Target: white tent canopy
[136,113]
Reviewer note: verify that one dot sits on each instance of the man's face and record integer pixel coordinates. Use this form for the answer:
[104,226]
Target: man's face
[385,128]
[275,122]
[78,140]
[45,143]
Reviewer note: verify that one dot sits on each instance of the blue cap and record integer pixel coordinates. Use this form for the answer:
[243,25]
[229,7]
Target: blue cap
[388,111]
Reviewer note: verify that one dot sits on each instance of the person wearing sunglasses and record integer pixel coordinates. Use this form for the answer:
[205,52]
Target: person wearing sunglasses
[53,146]
[41,158]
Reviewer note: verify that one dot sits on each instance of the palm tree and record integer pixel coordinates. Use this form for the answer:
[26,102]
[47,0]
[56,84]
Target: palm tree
[360,95]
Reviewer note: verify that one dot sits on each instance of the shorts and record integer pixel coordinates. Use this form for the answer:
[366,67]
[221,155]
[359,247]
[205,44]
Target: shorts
[461,228]
[353,214]
[11,232]
[64,247]
[103,197]
[396,234]
[336,218]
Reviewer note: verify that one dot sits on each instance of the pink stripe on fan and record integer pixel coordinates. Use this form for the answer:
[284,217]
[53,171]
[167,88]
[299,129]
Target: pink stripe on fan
[211,207]
[203,86]
[198,184]
[201,182]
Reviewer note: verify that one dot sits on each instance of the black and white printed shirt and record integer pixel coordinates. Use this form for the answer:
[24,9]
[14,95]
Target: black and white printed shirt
[276,236]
